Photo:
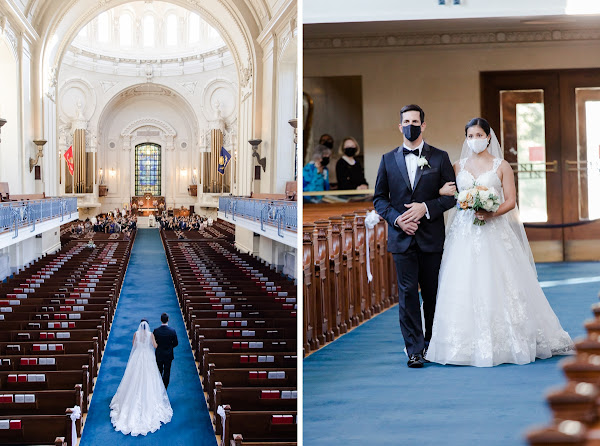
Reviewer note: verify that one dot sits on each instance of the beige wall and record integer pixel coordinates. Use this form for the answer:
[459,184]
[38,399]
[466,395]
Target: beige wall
[443,80]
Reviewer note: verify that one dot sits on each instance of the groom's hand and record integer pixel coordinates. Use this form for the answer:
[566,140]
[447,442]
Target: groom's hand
[408,227]
[415,212]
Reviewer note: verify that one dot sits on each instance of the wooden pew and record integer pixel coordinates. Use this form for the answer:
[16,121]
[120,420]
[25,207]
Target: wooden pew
[264,427]
[337,294]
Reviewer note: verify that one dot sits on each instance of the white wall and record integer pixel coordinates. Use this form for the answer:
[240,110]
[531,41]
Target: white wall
[338,11]
[444,81]
[9,147]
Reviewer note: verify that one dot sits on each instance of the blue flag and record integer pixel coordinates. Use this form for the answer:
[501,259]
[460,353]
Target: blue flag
[223,160]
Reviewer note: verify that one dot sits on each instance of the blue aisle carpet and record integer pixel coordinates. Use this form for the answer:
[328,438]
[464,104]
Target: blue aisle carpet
[359,391]
[147,292]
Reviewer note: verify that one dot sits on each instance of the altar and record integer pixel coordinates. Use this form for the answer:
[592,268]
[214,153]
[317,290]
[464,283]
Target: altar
[147,204]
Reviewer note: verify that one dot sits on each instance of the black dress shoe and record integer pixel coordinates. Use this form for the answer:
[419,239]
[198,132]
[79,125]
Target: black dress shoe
[425,355]
[415,361]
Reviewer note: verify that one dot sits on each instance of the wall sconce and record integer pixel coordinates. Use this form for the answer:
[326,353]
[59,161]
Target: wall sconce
[112,172]
[2,122]
[40,152]
[261,161]
[183,172]
[100,175]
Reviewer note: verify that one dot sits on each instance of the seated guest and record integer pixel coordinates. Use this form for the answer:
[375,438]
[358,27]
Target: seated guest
[326,140]
[315,175]
[349,172]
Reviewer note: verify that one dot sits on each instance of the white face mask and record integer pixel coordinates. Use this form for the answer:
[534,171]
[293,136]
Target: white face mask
[478,145]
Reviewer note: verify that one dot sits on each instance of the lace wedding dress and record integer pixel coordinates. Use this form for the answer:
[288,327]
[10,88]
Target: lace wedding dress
[141,403]
[490,307]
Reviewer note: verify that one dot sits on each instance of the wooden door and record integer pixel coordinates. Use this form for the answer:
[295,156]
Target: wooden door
[545,122]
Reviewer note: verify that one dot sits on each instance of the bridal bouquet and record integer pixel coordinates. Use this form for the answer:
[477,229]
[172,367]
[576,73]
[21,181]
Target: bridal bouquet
[478,198]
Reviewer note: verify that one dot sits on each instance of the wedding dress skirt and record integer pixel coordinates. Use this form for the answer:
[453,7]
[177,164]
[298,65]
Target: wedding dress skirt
[141,403]
[490,307]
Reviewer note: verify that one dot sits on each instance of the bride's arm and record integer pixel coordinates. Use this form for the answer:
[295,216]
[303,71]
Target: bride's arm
[154,341]
[449,189]
[507,176]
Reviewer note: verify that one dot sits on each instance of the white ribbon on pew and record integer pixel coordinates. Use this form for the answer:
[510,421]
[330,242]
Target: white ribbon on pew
[221,412]
[370,222]
[75,415]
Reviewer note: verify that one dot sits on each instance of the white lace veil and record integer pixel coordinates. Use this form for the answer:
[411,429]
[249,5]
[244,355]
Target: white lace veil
[142,336]
[495,149]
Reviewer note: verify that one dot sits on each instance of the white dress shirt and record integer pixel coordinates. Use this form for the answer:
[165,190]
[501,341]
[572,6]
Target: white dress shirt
[411,167]
[411,163]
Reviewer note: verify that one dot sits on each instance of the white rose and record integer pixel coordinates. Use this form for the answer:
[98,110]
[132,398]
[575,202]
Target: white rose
[489,205]
[484,195]
[462,195]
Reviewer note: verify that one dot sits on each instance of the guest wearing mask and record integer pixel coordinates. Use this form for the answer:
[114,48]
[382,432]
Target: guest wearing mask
[315,175]
[326,140]
[349,172]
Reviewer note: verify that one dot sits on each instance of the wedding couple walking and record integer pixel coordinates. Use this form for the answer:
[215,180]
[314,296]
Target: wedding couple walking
[482,303]
[141,403]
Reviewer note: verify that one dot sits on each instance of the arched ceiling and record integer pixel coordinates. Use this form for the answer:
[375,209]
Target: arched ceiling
[239,22]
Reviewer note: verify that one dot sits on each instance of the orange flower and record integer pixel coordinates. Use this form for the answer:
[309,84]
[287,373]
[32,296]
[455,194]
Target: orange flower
[482,188]
[464,205]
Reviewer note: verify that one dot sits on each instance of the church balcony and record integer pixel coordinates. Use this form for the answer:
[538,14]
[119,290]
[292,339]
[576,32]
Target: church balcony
[275,219]
[20,220]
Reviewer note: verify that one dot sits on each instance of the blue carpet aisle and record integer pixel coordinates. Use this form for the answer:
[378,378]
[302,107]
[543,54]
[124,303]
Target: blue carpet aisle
[358,390]
[147,292]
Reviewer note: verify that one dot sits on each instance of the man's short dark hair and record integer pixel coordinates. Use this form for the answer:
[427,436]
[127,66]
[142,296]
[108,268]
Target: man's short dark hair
[413,107]
[164,318]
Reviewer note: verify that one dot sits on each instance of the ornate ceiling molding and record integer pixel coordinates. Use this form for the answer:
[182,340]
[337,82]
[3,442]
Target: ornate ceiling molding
[166,129]
[444,39]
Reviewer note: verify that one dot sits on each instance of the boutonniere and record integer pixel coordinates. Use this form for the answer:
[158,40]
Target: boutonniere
[422,162]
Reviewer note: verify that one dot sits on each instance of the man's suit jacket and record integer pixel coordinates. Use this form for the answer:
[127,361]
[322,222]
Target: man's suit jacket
[393,191]
[166,338]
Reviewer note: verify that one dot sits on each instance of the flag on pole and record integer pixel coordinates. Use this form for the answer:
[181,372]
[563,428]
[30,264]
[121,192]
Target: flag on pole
[224,159]
[69,158]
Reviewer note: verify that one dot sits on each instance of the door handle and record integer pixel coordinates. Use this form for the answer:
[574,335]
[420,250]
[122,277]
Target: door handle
[579,166]
[549,166]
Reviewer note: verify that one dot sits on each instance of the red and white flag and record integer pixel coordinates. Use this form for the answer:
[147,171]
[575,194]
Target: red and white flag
[69,157]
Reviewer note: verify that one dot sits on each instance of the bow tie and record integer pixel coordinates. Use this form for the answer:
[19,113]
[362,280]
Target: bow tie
[406,151]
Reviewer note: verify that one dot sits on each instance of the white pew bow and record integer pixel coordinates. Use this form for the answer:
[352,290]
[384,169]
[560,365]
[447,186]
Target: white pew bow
[370,222]
[75,415]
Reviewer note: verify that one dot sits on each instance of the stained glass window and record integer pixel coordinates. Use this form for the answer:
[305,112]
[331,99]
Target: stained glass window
[147,169]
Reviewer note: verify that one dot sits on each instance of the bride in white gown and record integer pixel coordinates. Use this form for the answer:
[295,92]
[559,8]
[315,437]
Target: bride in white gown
[490,307]
[141,403]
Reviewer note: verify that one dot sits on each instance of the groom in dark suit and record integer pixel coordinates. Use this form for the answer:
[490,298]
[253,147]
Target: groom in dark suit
[407,197]
[166,339]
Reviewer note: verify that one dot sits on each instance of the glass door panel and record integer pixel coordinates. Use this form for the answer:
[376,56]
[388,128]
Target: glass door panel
[524,141]
[587,164]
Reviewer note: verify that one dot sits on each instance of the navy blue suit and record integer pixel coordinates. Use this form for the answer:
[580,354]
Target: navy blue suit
[417,257]
[166,339]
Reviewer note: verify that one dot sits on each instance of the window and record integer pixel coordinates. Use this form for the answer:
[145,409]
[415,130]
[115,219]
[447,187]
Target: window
[147,169]
[103,27]
[148,30]
[172,30]
[125,30]
[194,28]
[83,32]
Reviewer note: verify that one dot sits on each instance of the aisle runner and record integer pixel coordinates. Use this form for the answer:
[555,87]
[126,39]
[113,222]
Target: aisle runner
[358,389]
[147,292]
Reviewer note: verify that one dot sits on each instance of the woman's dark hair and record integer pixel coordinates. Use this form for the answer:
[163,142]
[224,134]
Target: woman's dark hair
[479,122]
[145,320]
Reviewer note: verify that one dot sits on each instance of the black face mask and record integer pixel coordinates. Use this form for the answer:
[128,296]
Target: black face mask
[324,161]
[328,144]
[411,132]
[350,151]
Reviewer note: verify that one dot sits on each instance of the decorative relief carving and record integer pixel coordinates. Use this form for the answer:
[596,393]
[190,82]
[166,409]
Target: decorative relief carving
[400,40]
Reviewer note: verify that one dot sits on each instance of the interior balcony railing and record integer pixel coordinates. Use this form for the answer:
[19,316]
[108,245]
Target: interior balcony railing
[278,213]
[16,215]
